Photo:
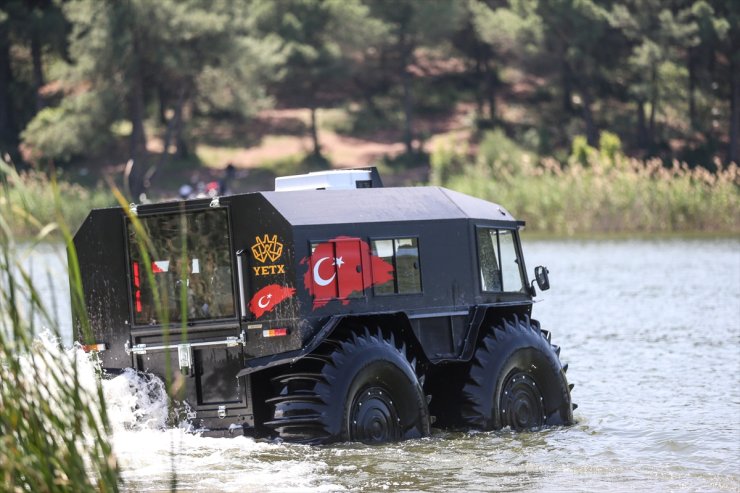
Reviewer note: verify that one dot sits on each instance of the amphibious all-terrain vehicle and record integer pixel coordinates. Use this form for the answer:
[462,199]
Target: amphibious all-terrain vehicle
[347,311]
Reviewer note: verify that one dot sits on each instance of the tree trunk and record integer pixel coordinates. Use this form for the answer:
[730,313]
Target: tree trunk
[181,142]
[588,119]
[692,88]
[566,83]
[732,154]
[7,128]
[491,82]
[367,95]
[370,102]
[642,132]
[653,105]
[408,103]
[38,70]
[480,88]
[138,139]
[162,100]
[138,134]
[171,129]
[315,132]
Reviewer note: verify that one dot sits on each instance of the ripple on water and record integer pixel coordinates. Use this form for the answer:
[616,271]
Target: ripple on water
[652,334]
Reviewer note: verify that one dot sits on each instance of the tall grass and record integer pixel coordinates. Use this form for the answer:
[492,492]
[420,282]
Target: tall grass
[33,191]
[595,192]
[54,430]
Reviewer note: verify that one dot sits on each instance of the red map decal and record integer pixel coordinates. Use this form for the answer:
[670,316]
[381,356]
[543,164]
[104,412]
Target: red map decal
[342,267]
[267,298]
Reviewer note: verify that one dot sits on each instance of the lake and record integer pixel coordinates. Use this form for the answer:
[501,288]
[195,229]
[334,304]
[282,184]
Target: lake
[651,330]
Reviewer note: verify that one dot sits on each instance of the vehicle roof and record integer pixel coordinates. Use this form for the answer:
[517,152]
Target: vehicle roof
[365,205]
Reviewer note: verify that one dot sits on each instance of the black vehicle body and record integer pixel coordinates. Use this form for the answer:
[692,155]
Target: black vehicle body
[298,266]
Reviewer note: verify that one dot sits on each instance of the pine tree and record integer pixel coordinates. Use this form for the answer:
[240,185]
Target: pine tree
[318,41]
[412,24]
[659,37]
[195,52]
[34,30]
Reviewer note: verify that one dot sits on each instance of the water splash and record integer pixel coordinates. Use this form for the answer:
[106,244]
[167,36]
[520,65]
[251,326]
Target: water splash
[136,401]
[39,369]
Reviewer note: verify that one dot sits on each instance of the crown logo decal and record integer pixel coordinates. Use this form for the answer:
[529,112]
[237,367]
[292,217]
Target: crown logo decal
[267,248]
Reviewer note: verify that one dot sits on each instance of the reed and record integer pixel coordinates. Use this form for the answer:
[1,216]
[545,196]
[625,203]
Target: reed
[48,199]
[54,429]
[598,192]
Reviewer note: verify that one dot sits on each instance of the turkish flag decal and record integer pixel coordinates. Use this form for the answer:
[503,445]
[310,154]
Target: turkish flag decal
[343,268]
[267,298]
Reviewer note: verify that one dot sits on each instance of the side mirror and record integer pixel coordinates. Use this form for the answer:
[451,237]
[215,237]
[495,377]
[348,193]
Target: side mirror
[542,278]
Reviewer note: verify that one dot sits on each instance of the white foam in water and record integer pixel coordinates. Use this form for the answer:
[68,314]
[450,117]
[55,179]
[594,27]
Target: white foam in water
[150,452]
[136,401]
[40,369]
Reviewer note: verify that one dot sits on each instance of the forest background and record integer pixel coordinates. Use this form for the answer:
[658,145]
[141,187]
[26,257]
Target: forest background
[580,116]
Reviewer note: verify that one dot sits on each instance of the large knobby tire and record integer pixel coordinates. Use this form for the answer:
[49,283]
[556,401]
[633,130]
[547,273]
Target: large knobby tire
[516,380]
[362,388]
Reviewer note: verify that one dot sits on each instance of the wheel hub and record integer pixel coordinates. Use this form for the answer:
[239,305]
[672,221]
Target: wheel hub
[374,418]
[522,407]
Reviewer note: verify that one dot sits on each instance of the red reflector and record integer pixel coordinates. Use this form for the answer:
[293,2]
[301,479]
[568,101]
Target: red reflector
[137,285]
[274,332]
[94,347]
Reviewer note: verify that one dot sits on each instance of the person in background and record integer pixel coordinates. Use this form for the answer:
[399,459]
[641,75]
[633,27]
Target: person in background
[224,184]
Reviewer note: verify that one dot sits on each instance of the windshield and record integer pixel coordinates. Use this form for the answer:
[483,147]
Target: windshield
[189,261]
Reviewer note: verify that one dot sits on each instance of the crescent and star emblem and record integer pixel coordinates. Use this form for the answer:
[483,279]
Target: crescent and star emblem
[317,277]
[264,305]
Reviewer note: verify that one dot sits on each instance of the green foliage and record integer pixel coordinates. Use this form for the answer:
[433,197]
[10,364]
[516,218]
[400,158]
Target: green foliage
[49,201]
[602,195]
[513,29]
[54,430]
[610,146]
[659,75]
[580,151]
[445,162]
[316,41]
[69,130]
[359,120]
[658,35]
[196,53]
[29,32]
[423,21]
[500,153]
[411,25]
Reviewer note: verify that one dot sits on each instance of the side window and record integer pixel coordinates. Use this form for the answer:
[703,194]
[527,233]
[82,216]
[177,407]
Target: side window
[384,250]
[403,255]
[511,273]
[499,266]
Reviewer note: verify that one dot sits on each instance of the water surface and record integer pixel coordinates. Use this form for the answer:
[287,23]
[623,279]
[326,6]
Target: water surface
[651,330]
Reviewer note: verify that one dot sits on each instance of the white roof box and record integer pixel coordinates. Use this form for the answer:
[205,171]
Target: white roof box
[340,179]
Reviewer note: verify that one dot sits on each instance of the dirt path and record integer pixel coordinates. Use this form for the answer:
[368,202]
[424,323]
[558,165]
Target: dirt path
[282,134]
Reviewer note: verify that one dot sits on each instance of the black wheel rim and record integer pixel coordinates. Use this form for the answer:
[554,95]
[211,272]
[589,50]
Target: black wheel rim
[374,418]
[522,406]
